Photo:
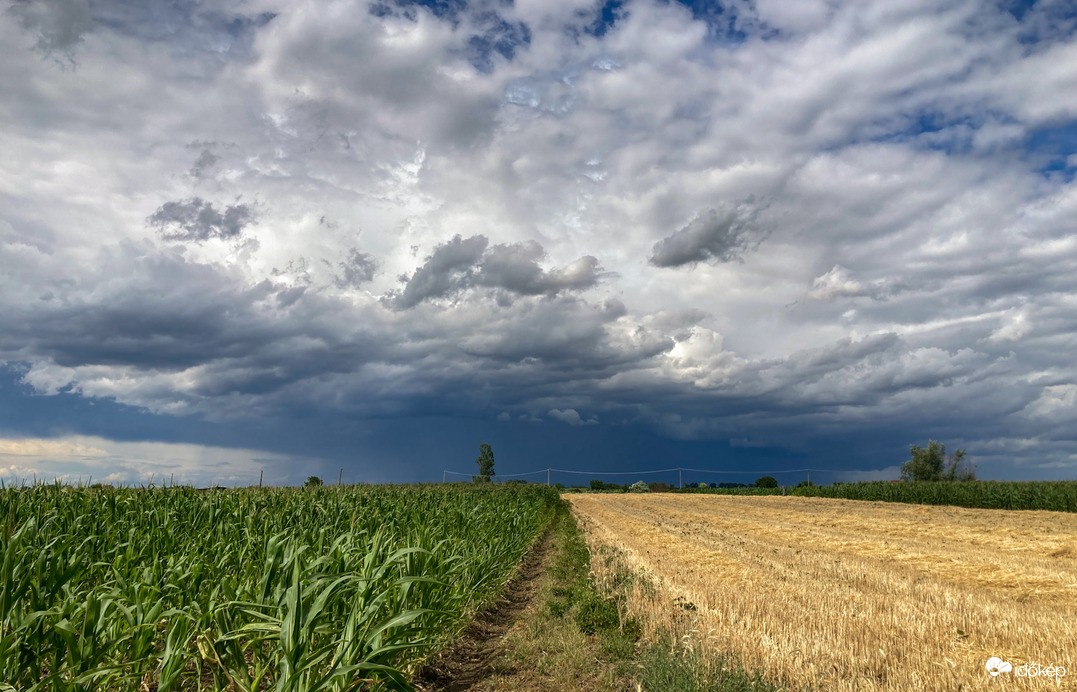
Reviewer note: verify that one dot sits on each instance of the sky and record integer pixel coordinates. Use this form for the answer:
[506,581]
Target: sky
[356,239]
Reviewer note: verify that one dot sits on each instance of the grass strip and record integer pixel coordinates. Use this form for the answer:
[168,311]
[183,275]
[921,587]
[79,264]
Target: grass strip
[577,635]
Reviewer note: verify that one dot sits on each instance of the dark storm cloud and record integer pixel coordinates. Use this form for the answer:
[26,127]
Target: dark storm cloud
[204,162]
[181,336]
[464,263]
[198,220]
[172,316]
[719,235]
[448,269]
[58,25]
[516,268]
[357,269]
[564,335]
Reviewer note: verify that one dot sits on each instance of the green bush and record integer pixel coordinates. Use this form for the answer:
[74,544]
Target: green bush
[931,464]
[596,613]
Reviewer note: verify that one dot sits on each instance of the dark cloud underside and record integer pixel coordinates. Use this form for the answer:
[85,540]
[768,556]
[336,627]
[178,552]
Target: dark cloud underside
[719,235]
[198,220]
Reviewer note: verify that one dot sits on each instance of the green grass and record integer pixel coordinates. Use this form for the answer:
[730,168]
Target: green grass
[667,666]
[299,590]
[569,637]
[658,666]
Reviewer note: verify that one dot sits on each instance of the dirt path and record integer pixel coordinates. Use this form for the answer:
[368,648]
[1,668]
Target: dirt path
[472,659]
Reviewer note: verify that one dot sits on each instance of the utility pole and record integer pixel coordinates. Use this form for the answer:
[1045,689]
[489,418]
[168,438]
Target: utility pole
[809,474]
[340,477]
[442,476]
[680,484]
[547,478]
[261,472]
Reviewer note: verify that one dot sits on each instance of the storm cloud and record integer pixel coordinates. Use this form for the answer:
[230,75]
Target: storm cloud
[463,263]
[198,220]
[775,230]
[721,235]
[57,25]
[357,269]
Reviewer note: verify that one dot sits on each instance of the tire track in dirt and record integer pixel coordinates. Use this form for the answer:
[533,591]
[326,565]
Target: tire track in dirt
[471,659]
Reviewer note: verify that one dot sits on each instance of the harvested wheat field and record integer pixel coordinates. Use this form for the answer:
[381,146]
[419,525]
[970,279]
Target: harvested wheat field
[848,595]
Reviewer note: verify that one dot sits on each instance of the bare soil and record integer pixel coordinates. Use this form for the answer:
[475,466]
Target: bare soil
[473,658]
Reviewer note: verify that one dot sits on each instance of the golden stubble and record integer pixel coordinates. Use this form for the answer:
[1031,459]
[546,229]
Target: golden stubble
[849,595]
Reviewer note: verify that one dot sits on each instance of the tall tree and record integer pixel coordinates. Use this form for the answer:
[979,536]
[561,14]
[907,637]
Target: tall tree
[926,463]
[931,464]
[958,468]
[486,464]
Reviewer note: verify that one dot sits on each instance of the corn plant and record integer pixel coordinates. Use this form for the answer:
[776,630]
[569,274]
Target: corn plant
[1058,496]
[279,589]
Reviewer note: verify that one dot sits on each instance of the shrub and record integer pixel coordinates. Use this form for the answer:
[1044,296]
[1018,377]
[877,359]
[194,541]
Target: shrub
[931,464]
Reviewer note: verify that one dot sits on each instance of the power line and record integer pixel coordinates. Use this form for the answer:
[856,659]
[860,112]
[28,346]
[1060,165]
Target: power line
[613,473]
[638,473]
[499,475]
[782,471]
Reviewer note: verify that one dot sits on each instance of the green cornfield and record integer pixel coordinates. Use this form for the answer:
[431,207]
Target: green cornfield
[1057,496]
[284,589]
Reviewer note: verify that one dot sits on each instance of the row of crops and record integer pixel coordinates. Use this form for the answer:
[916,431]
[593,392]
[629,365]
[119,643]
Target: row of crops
[1058,496]
[285,589]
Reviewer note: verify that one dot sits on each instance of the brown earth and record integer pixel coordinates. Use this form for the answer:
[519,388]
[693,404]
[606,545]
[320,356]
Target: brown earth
[476,655]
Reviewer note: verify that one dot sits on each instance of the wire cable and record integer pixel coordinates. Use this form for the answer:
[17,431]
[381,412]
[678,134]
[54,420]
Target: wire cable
[637,473]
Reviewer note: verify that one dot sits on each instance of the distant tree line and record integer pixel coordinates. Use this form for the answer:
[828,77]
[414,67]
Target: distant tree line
[596,484]
[929,463]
